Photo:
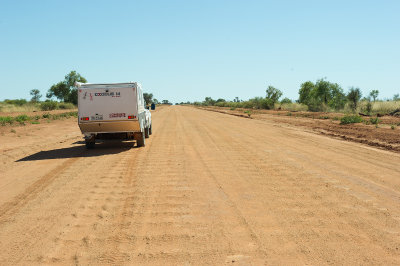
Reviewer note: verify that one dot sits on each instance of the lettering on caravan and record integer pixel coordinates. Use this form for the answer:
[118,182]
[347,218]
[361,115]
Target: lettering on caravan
[114,115]
[112,94]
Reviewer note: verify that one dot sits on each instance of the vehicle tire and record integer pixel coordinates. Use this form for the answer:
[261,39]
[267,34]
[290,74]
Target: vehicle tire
[89,144]
[140,139]
[151,129]
[146,133]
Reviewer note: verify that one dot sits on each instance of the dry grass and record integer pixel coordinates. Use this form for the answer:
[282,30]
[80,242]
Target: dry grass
[381,107]
[22,119]
[11,108]
[32,107]
[291,107]
[385,107]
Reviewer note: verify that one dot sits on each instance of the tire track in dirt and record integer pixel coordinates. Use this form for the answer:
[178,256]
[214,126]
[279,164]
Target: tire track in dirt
[306,155]
[261,250]
[125,239]
[216,160]
[170,220]
[100,240]
[8,209]
[52,204]
[149,214]
[101,232]
[246,145]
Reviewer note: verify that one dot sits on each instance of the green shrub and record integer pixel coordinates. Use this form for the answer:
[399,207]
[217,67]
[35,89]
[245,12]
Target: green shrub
[54,117]
[22,118]
[18,102]
[48,106]
[73,113]
[248,112]
[350,119]
[66,106]
[248,104]
[368,108]
[6,119]
[60,116]
[314,105]
[393,127]
[286,100]
[374,120]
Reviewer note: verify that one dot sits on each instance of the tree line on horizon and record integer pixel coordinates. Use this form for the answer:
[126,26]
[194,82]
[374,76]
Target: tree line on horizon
[319,96]
[67,95]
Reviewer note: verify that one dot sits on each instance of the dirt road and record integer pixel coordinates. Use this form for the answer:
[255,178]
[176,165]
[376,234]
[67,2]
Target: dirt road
[384,135]
[207,189]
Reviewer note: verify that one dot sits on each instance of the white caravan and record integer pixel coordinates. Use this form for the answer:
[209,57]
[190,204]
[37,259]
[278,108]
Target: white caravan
[113,111]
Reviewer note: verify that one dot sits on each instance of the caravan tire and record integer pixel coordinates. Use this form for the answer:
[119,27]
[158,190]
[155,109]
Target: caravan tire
[89,144]
[139,137]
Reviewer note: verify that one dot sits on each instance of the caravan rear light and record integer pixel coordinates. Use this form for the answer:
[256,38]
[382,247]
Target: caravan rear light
[131,116]
[85,118]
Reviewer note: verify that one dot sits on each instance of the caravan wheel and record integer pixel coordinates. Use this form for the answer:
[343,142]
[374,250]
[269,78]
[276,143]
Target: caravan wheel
[139,137]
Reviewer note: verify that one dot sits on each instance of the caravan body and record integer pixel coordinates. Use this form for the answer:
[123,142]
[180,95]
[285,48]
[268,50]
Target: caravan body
[113,110]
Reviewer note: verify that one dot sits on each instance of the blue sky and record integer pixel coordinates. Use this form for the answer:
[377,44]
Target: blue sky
[187,50]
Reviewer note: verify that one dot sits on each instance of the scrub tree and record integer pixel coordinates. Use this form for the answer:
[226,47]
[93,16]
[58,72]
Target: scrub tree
[273,95]
[148,97]
[374,94]
[35,93]
[65,90]
[354,97]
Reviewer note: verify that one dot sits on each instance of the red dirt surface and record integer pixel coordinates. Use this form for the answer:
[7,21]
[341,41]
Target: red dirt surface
[327,124]
[207,189]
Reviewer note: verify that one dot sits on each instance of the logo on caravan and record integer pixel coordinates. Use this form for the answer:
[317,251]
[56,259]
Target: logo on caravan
[112,94]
